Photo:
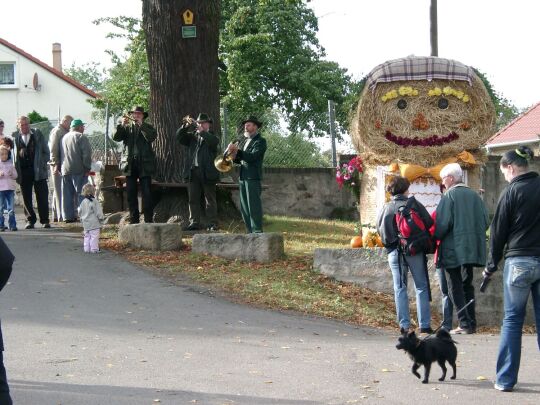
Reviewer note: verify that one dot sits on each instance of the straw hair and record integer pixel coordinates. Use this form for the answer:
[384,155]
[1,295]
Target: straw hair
[472,121]
[88,190]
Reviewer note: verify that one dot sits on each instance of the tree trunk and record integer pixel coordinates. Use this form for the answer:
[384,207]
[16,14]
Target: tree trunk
[183,74]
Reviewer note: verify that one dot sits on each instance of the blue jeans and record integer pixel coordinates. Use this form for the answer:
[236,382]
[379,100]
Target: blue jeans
[6,204]
[72,185]
[446,302]
[521,276]
[416,265]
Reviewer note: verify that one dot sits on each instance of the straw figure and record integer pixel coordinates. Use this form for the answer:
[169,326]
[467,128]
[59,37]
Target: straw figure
[415,115]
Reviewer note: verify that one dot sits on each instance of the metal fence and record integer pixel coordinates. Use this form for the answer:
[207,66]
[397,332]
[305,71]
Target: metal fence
[304,141]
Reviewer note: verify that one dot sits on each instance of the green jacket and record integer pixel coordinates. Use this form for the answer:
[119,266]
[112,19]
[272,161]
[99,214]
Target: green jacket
[205,146]
[251,159]
[460,225]
[137,145]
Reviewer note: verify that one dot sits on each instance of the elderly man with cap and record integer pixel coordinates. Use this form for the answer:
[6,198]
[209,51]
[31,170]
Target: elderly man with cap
[31,157]
[202,150]
[55,146]
[460,225]
[250,155]
[138,161]
[75,161]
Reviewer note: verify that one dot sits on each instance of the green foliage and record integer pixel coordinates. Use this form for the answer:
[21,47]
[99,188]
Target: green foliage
[128,83]
[505,110]
[90,75]
[35,117]
[274,60]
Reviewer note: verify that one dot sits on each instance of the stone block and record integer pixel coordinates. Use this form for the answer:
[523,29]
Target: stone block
[114,219]
[253,247]
[369,268]
[152,236]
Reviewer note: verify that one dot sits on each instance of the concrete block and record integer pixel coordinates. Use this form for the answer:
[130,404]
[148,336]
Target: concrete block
[152,236]
[253,247]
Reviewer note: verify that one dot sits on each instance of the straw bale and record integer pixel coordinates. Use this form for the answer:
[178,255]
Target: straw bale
[472,121]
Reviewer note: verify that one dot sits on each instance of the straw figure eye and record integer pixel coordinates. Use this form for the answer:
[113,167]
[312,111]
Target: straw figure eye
[402,104]
[443,103]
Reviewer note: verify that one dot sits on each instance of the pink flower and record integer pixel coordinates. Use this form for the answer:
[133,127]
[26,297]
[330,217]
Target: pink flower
[351,169]
[347,176]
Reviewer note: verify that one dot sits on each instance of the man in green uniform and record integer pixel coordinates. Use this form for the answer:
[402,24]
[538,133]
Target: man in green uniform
[250,155]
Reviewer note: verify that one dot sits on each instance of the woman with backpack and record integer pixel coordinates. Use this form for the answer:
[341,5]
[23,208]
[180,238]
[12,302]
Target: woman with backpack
[406,243]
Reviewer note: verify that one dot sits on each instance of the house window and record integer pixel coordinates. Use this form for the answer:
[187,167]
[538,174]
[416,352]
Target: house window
[7,74]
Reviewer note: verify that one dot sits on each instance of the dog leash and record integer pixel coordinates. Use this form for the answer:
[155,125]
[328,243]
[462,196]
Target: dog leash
[441,325]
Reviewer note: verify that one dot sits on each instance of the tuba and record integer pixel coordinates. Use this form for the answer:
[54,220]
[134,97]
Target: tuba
[224,163]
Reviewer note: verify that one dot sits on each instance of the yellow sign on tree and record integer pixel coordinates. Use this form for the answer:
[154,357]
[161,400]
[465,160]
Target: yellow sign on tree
[187,16]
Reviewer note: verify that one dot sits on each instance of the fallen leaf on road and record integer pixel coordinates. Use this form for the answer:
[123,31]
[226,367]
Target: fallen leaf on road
[157,400]
[481,378]
[435,389]
[385,370]
[285,347]
[268,382]
[366,386]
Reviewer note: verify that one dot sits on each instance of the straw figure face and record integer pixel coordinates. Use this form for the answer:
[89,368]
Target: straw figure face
[421,121]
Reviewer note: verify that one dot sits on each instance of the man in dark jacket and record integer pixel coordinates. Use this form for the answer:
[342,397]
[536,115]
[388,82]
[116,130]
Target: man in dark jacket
[6,263]
[138,161]
[460,225]
[202,150]
[32,155]
[250,156]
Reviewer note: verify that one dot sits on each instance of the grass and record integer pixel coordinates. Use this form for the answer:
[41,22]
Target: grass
[288,284]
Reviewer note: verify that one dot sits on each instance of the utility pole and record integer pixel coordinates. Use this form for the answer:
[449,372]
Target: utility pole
[434,37]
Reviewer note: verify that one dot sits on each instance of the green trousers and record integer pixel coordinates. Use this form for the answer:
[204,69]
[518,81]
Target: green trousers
[250,205]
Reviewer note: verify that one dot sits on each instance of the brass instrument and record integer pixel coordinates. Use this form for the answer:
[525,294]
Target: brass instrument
[189,121]
[128,117]
[224,163]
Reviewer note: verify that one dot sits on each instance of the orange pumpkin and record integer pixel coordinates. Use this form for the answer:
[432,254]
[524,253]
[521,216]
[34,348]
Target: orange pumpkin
[356,242]
[378,241]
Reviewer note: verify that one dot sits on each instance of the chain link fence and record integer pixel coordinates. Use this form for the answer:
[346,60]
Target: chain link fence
[306,140]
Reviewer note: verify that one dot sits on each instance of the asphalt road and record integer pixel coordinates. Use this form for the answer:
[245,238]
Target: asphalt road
[95,329]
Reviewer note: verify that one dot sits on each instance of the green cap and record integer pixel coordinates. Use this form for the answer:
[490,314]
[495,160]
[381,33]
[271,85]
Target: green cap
[77,123]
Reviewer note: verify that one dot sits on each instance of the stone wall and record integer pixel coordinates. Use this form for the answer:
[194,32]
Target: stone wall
[369,268]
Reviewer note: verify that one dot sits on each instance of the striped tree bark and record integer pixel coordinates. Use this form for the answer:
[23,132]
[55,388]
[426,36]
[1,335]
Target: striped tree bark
[183,74]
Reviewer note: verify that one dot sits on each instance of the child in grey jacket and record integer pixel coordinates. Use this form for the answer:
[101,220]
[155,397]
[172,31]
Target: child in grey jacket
[91,216]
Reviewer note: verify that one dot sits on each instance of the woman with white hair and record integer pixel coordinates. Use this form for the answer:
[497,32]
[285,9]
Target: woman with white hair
[460,225]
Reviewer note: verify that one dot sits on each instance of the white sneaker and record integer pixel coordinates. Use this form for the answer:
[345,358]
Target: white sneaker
[501,388]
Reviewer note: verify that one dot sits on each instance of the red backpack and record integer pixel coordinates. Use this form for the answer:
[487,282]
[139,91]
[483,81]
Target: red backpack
[413,235]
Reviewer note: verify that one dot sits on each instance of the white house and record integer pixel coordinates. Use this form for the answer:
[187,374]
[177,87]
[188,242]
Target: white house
[28,84]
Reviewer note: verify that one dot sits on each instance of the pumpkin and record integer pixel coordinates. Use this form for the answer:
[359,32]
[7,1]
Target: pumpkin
[356,242]
[378,241]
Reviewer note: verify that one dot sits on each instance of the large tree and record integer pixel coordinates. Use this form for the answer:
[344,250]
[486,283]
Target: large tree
[183,73]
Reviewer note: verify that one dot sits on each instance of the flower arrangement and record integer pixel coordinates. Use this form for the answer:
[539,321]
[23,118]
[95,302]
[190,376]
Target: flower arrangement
[449,91]
[349,174]
[402,91]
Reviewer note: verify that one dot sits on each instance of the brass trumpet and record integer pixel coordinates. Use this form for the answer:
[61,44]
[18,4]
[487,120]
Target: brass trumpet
[189,121]
[127,116]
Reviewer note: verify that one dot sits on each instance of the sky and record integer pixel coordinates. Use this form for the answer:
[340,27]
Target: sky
[500,38]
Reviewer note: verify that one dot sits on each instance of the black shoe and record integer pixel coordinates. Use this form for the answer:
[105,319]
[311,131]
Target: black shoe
[192,227]
[2,228]
[69,221]
[29,226]
[212,227]
[46,226]
[426,330]
[13,229]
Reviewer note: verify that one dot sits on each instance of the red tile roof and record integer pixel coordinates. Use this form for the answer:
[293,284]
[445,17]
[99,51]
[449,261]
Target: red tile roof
[526,127]
[49,68]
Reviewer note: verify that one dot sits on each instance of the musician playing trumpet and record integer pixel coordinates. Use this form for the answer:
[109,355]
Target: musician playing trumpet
[202,149]
[138,161]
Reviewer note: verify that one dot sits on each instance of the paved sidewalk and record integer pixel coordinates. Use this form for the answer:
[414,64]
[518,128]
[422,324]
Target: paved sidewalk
[94,329]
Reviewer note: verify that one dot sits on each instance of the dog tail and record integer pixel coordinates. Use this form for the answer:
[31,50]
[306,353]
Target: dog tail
[444,335]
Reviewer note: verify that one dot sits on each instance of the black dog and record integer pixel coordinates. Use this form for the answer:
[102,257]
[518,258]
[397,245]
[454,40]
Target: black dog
[439,348]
